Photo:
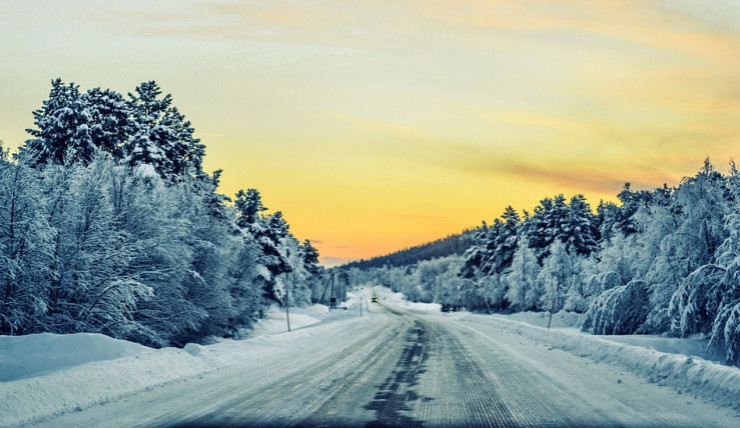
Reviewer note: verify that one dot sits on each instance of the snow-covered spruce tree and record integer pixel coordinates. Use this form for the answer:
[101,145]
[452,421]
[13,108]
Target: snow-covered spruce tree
[71,126]
[110,123]
[607,214]
[505,242]
[313,270]
[547,225]
[578,228]
[481,251]
[631,202]
[269,234]
[486,261]
[162,138]
[62,132]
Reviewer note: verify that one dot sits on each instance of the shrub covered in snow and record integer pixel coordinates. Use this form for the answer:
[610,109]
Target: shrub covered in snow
[619,310]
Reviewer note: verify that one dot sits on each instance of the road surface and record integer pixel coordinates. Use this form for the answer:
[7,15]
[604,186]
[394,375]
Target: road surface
[408,369]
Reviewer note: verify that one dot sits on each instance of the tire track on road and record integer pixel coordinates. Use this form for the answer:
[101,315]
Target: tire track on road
[394,395]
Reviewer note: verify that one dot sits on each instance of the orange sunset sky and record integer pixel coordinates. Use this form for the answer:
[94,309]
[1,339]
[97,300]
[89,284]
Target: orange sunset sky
[375,125]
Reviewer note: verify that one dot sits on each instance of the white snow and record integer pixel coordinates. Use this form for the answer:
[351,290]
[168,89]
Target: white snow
[50,374]
[146,170]
[397,299]
[39,354]
[275,319]
[562,319]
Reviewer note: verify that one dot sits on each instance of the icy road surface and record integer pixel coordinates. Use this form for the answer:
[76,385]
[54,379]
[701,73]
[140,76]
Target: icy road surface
[403,368]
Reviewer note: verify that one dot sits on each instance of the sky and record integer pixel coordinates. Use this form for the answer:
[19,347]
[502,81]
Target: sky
[376,125]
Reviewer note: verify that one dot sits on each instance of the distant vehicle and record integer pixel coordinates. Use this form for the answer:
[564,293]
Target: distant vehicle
[374,299]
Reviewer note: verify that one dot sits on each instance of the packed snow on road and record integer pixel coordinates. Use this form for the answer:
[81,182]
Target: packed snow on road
[387,363]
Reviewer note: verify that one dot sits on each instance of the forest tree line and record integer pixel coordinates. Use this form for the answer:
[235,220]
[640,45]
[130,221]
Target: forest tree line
[450,245]
[109,224]
[663,261]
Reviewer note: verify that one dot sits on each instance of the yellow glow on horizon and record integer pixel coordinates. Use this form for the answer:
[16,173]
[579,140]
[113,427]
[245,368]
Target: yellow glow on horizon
[377,125]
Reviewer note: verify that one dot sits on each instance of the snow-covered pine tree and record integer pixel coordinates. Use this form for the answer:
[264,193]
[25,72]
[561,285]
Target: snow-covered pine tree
[478,252]
[313,270]
[547,225]
[606,218]
[506,240]
[62,129]
[269,233]
[578,228]
[110,124]
[70,127]
[162,138]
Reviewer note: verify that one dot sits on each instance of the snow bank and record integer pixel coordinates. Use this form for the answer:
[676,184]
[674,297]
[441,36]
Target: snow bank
[275,320]
[38,354]
[716,382]
[671,345]
[569,322]
[398,299]
[25,400]
[562,319]
[76,371]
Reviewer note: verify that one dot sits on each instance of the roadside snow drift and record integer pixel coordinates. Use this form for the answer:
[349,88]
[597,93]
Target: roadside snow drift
[48,374]
[38,354]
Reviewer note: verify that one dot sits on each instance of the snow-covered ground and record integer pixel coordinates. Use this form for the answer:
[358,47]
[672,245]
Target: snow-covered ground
[38,354]
[44,375]
[47,374]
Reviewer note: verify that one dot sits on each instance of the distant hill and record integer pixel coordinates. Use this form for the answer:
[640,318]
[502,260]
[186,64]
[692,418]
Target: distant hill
[450,245]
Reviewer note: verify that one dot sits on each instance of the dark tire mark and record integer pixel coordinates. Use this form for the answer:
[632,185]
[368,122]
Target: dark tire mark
[397,391]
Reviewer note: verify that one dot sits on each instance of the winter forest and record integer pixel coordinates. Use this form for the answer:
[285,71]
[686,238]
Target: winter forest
[108,224]
[665,261]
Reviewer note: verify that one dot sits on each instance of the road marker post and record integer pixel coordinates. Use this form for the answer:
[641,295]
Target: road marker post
[287,304]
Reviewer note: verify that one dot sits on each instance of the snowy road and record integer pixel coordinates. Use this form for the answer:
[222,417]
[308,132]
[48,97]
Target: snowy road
[402,368]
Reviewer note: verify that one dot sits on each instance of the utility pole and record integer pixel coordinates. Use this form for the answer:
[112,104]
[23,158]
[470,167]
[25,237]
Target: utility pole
[287,304]
[555,298]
